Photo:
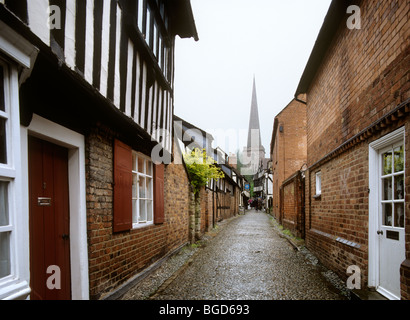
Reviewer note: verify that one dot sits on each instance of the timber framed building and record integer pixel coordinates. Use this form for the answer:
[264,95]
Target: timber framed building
[86,100]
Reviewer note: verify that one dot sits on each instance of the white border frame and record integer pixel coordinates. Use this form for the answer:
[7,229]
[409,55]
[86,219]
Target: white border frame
[374,166]
[74,142]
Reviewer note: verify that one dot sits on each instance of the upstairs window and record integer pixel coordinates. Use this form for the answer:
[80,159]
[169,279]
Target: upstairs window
[153,28]
[140,16]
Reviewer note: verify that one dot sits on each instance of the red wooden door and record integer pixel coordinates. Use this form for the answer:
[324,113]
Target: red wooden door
[49,221]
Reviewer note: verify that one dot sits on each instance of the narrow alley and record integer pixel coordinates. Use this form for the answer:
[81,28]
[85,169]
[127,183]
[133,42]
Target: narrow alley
[157,150]
[247,260]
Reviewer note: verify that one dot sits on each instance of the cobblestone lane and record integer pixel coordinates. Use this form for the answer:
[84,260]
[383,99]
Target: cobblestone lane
[248,260]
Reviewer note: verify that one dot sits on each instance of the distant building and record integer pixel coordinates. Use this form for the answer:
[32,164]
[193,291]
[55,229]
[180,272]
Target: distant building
[219,199]
[288,149]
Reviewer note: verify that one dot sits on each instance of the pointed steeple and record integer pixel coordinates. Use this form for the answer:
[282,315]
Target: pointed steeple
[254,122]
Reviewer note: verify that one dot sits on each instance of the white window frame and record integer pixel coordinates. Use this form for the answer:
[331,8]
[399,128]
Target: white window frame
[8,170]
[318,183]
[7,173]
[136,175]
[20,57]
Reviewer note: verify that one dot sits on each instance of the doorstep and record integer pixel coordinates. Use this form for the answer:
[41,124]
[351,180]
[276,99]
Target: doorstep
[368,294]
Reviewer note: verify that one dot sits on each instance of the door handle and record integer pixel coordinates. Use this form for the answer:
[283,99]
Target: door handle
[65,236]
[380,232]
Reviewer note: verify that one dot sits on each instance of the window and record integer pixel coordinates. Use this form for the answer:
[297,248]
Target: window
[140,15]
[21,56]
[392,185]
[153,28]
[318,183]
[155,41]
[142,190]
[148,36]
[138,189]
[2,102]
[6,225]
[5,230]
[4,115]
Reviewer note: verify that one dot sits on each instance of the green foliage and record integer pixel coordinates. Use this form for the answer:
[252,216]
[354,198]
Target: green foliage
[201,169]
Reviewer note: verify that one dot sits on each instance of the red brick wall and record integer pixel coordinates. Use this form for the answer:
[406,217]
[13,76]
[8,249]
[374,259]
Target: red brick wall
[341,211]
[177,198]
[364,75]
[114,258]
[343,208]
[290,150]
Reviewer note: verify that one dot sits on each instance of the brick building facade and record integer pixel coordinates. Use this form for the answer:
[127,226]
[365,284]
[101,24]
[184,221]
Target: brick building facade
[288,148]
[358,183]
[115,258]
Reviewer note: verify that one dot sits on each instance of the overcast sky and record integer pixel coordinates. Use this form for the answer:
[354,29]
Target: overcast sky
[239,39]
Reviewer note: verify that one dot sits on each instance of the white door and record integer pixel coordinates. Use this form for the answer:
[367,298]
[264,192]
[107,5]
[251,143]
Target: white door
[391,215]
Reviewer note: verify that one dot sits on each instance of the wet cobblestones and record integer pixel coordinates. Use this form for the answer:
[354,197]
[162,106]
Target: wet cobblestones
[246,259]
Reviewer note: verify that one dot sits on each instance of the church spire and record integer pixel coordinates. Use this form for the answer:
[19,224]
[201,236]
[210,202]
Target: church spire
[254,122]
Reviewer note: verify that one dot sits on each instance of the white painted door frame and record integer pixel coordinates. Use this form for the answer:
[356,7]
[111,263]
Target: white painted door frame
[74,142]
[374,207]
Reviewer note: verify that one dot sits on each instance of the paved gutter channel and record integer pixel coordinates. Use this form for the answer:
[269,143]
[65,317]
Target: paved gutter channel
[155,285]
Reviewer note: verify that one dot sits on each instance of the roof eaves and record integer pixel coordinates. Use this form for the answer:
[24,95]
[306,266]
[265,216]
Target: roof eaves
[183,17]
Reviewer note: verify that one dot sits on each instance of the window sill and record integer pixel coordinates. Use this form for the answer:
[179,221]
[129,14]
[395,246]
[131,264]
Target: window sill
[317,196]
[18,290]
[141,225]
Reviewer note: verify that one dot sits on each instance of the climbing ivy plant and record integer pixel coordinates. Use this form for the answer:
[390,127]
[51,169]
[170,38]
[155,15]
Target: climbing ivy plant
[201,169]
